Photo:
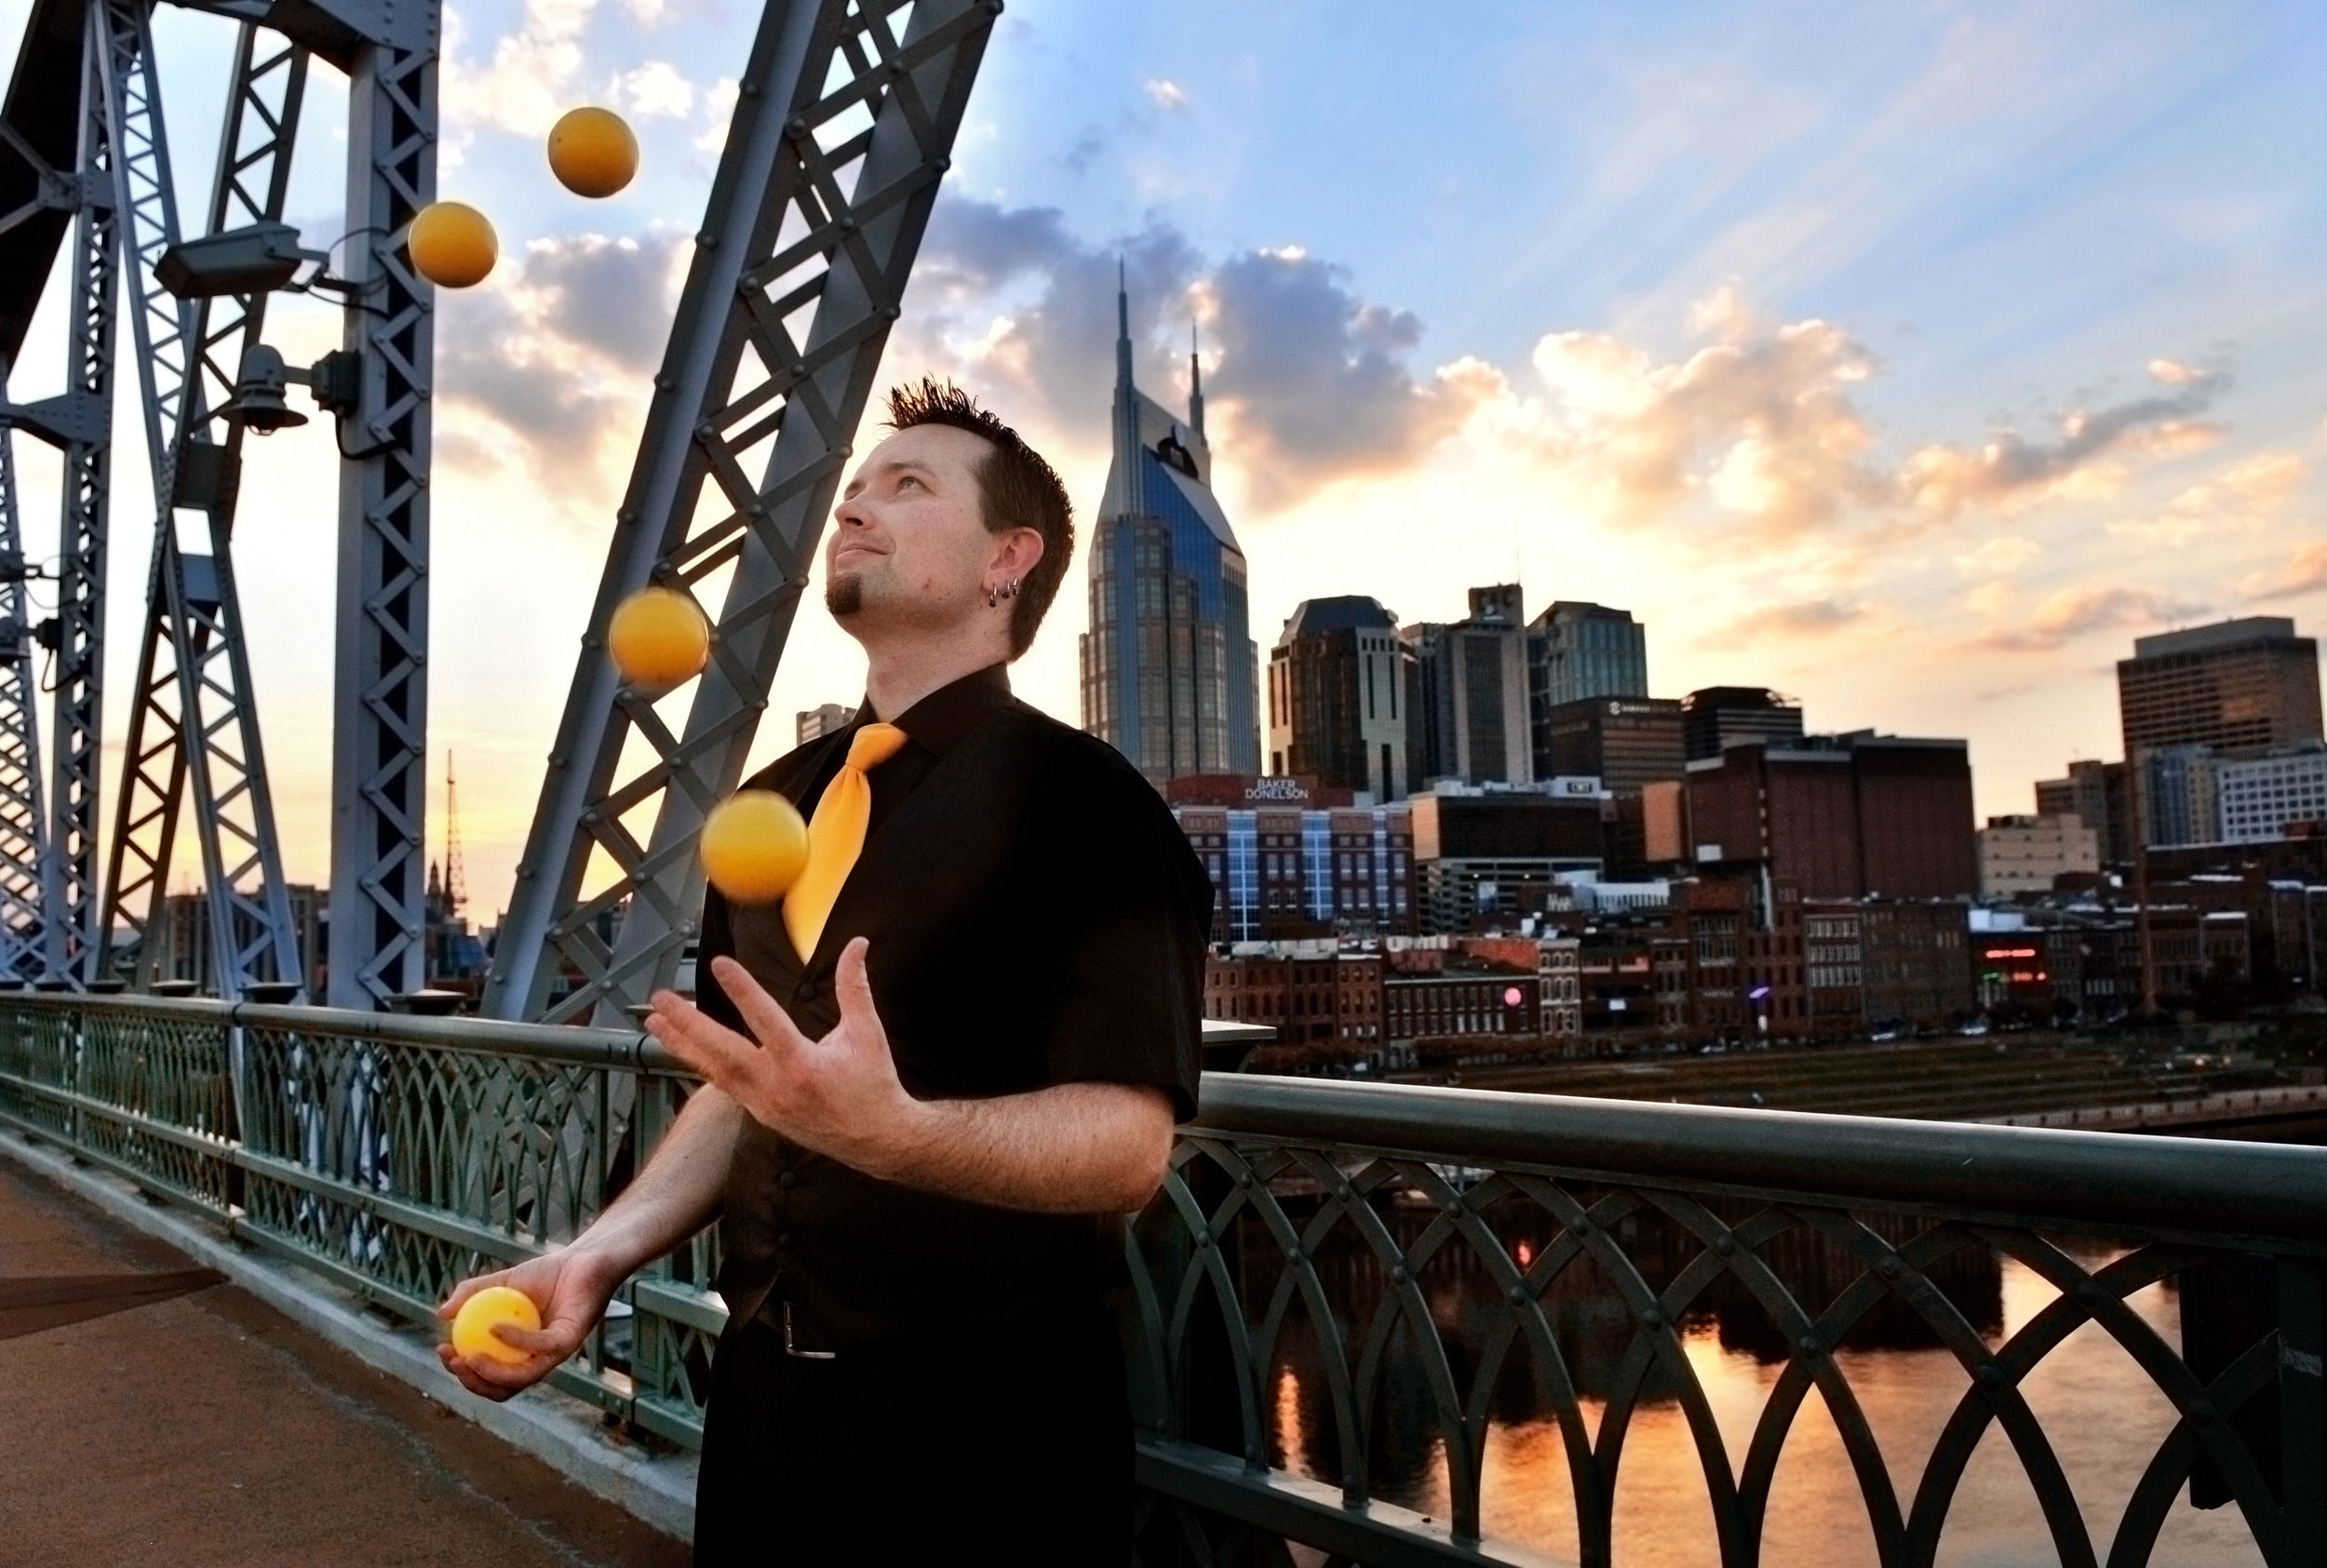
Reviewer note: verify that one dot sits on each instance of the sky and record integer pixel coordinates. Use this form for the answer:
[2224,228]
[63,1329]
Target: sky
[1911,359]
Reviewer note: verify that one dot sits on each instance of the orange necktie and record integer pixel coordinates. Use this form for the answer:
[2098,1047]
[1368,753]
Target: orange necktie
[836,836]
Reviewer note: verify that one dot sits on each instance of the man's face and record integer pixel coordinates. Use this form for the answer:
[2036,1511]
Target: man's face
[909,546]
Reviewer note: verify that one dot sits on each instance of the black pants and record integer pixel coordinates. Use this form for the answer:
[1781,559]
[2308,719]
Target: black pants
[1011,1435]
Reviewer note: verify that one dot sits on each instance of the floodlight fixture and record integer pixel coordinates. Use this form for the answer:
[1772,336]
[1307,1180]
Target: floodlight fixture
[255,259]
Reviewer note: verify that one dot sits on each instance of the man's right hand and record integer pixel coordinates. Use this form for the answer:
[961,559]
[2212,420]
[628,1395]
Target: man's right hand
[571,1289]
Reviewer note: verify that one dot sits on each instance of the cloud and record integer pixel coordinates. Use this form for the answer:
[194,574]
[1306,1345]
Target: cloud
[551,372]
[2006,554]
[719,112]
[657,90]
[2009,473]
[2304,571]
[2242,498]
[2073,612]
[1314,380]
[1164,93]
[1309,383]
[525,86]
[1759,423]
[1801,621]
[1991,599]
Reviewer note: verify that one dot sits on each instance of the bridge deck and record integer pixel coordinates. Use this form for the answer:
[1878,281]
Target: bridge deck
[209,1430]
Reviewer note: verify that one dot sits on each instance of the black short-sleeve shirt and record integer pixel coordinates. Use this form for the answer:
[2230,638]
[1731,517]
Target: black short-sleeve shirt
[1036,917]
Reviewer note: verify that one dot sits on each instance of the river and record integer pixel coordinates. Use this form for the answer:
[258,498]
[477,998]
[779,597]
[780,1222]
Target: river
[2102,1413]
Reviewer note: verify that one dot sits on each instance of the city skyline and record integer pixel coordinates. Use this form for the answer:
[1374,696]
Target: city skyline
[1908,390]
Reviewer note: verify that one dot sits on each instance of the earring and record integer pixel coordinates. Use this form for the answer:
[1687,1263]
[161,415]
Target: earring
[993,597]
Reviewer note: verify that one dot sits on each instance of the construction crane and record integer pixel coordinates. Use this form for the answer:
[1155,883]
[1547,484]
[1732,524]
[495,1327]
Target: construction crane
[845,117]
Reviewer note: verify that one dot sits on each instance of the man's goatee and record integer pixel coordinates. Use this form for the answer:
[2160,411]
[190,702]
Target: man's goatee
[844,595]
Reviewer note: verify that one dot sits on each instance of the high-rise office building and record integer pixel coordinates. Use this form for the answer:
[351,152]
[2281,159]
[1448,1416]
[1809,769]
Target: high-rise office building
[1170,673]
[1716,718]
[2258,798]
[2098,795]
[2177,788]
[1577,651]
[2236,685]
[1337,708]
[1623,741]
[1467,714]
[817,722]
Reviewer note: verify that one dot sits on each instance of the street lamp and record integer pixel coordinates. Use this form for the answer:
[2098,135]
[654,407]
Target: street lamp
[263,380]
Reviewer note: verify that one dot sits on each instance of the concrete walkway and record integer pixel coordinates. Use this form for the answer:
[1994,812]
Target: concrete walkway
[207,1429]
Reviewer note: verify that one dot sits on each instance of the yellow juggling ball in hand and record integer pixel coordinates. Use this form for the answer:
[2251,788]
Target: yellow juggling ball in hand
[658,638]
[592,151]
[451,245]
[473,1333]
[754,846]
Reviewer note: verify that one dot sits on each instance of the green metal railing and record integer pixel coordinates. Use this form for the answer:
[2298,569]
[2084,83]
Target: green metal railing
[393,1155]
[1362,1234]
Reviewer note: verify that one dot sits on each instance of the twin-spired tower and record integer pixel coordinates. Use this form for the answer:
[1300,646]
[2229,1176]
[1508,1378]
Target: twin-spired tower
[1170,674]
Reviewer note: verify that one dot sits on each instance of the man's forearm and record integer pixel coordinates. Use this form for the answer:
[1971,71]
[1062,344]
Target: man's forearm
[678,1192]
[1072,1149]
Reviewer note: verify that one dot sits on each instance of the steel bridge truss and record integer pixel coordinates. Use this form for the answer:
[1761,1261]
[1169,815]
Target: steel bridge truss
[193,746]
[193,729]
[22,825]
[844,126]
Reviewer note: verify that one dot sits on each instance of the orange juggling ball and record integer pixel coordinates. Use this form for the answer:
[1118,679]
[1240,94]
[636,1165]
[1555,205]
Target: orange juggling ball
[754,846]
[658,637]
[451,245]
[592,151]
[473,1333]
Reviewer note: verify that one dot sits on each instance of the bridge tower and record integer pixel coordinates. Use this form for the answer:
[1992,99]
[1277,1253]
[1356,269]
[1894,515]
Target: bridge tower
[83,141]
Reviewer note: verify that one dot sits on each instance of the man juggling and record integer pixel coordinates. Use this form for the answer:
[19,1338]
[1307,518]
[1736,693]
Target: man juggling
[938,1070]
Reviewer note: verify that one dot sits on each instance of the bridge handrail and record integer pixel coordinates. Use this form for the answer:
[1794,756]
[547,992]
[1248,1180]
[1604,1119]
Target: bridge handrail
[2126,1184]
[392,1154]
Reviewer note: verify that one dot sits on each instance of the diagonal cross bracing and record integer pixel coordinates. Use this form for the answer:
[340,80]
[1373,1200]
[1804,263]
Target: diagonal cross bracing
[69,891]
[22,831]
[192,723]
[844,125]
[379,783]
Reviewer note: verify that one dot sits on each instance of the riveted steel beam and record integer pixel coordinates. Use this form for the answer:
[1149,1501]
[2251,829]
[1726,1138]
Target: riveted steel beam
[194,723]
[69,891]
[844,125]
[379,784]
[22,828]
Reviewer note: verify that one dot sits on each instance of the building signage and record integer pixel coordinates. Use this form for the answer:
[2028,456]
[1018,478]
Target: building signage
[1275,788]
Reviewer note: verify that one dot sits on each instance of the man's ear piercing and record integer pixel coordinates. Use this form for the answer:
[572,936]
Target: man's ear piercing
[995,596]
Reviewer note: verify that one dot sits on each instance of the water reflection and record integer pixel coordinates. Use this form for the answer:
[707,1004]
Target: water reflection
[2104,1417]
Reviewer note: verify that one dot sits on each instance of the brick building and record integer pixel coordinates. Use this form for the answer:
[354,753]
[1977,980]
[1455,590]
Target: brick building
[1915,962]
[1858,815]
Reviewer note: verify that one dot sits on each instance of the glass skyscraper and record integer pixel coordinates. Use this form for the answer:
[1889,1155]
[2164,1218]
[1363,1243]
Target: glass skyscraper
[1170,674]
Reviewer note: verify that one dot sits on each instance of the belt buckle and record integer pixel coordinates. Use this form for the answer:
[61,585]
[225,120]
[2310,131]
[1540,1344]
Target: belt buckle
[793,1350]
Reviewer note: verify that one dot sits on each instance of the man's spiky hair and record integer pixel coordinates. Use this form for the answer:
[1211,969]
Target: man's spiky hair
[1017,487]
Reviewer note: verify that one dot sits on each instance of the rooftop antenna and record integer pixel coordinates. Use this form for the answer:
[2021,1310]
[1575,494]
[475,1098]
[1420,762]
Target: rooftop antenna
[1195,382]
[455,894]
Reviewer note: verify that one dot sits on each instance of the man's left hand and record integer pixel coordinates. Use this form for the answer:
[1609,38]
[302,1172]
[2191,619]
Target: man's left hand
[839,1096]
